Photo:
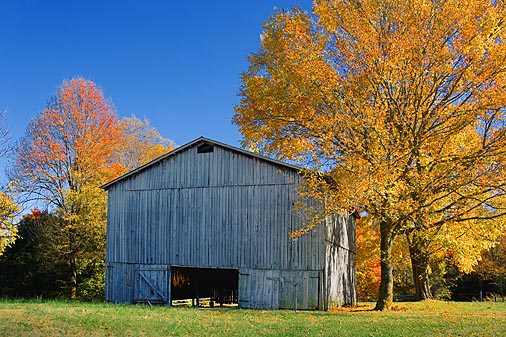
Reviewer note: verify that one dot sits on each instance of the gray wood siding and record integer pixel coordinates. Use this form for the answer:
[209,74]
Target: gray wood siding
[280,289]
[259,289]
[340,261]
[233,214]
[223,209]
[219,168]
[120,282]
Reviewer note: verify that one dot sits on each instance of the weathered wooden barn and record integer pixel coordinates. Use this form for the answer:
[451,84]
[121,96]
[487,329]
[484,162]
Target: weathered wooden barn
[212,220]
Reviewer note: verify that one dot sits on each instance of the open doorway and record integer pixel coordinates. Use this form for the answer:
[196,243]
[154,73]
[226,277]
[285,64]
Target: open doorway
[204,287]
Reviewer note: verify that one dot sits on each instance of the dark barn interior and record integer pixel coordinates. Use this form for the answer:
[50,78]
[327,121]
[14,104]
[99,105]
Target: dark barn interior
[218,285]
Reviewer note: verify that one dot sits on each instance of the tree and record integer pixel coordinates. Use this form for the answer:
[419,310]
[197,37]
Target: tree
[8,207]
[69,144]
[68,151]
[395,107]
[6,147]
[80,240]
[452,243]
[140,143]
[8,231]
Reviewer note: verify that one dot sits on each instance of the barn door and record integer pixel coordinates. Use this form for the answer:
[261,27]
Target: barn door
[244,289]
[300,290]
[313,292]
[258,289]
[151,284]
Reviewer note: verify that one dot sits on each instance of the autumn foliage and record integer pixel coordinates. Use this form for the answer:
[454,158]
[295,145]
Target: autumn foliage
[140,143]
[8,205]
[8,231]
[368,270]
[394,107]
[76,144]
[69,144]
[492,266]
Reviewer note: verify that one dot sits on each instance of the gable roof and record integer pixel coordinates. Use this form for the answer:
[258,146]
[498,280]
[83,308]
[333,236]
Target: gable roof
[194,143]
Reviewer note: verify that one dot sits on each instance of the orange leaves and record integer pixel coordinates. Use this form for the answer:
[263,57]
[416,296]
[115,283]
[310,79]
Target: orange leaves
[36,213]
[368,264]
[78,140]
[71,143]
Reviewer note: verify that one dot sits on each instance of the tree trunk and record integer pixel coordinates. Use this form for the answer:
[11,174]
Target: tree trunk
[73,265]
[420,270]
[73,277]
[386,290]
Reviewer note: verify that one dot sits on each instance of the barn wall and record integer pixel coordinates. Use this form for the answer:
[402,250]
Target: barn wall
[221,209]
[226,211]
[340,261]
[280,289]
[259,288]
[222,167]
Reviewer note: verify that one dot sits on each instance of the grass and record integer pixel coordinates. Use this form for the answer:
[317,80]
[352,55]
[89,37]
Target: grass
[431,318]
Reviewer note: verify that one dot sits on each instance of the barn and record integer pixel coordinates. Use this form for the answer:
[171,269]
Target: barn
[212,221]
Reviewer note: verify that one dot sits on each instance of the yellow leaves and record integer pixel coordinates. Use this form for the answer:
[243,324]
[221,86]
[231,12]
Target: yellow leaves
[140,143]
[84,215]
[305,82]
[8,234]
[8,211]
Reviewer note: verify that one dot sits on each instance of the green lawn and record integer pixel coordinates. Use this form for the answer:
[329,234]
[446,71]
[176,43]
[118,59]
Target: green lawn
[432,318]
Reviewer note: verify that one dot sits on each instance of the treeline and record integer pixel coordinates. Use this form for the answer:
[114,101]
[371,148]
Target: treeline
[76,144]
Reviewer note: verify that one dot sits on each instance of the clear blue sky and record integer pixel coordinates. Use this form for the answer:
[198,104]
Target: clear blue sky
[178,63]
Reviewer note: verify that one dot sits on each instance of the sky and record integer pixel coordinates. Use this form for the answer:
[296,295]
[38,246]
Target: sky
[177,63]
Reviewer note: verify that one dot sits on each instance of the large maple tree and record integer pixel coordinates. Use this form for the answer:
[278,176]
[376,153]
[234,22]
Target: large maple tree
[69,144]
[396,107]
